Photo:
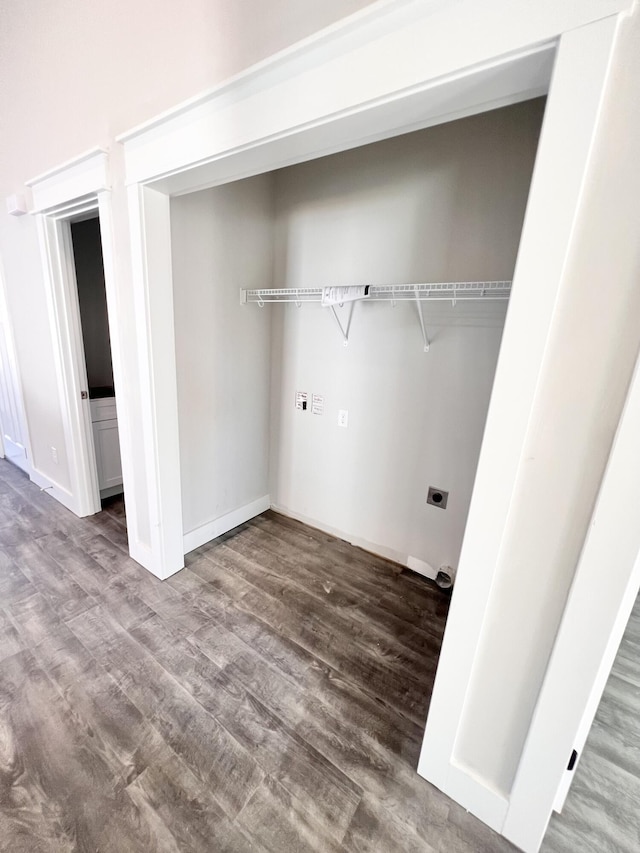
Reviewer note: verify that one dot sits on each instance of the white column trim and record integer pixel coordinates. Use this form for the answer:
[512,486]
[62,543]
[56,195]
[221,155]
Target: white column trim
[596,615]
[149,218]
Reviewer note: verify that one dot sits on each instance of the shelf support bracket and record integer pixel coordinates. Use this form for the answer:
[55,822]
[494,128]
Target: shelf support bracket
[344,331]
[427,342]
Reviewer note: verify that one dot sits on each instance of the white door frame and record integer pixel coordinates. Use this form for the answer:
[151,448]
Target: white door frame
[600,602]
[64,315]
[574,103]
[74,189]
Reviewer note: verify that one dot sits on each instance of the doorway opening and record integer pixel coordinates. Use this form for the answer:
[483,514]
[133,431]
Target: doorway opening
[95,353]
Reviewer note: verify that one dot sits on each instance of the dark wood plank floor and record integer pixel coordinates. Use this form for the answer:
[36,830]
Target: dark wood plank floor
[270,697]
[602,811]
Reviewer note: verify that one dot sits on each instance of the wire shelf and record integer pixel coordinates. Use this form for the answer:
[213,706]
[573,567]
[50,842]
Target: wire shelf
[423,292]
[438,291]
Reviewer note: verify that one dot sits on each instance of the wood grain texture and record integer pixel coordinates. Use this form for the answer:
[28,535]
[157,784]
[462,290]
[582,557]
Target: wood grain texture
[269,698]
[57,792]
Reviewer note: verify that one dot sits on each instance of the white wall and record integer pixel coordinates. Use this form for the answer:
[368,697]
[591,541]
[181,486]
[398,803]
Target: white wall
[75,75]
[442,204]
[34,348]
[87,254]
[222,240]
[13,432]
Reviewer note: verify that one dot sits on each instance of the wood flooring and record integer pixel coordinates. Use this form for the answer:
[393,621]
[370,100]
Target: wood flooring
[269,697]
[602,811]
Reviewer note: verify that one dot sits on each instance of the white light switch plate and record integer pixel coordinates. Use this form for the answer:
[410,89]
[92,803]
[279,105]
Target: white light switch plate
[343,418]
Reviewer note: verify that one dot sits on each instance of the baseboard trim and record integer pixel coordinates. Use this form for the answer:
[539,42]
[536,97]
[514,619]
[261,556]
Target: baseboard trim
[16,454]
[58,492]
[421,567]
[413,563]
[212,529]
[111,491]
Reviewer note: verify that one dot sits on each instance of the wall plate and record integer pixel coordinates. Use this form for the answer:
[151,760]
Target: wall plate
[437,497]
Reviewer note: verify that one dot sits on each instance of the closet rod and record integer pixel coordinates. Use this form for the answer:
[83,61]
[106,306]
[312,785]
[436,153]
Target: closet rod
[447,290]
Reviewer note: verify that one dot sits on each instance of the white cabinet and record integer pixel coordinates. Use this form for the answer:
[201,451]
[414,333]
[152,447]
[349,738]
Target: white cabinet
[107,445]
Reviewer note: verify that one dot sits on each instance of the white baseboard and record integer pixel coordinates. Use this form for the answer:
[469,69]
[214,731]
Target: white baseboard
[421,567]
[56,491]
[413,563]
[111,491]
[209,531]
[16,454]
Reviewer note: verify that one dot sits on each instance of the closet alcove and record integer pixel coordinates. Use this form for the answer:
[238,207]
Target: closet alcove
[442,204]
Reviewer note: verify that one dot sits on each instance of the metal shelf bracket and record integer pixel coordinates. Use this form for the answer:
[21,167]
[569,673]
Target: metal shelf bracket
[344,330]
[427,342]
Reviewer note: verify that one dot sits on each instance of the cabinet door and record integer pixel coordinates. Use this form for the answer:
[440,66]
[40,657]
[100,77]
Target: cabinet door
[107,443]
[103,409]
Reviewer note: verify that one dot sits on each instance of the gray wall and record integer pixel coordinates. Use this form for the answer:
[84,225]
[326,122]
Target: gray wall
[442,204]
[87,252]
[222,240]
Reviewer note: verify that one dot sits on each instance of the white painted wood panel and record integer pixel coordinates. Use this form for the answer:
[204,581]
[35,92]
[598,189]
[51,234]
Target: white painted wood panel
[103,409]
[107,445]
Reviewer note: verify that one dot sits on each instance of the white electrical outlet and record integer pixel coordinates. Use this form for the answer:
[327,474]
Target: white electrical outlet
[54,454]
[343,418]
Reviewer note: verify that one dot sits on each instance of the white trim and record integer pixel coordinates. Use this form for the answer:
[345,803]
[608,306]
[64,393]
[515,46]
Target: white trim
[149,219]
[46,484]
[361,29]
[228,127]
[64,321]
[66,192]
[122,381]
[598,609]
[88,158]
[573,110]
[212,529]
[88,490]
[83,176]
[417,565]
[421,567]
[14,452]
[111,491]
